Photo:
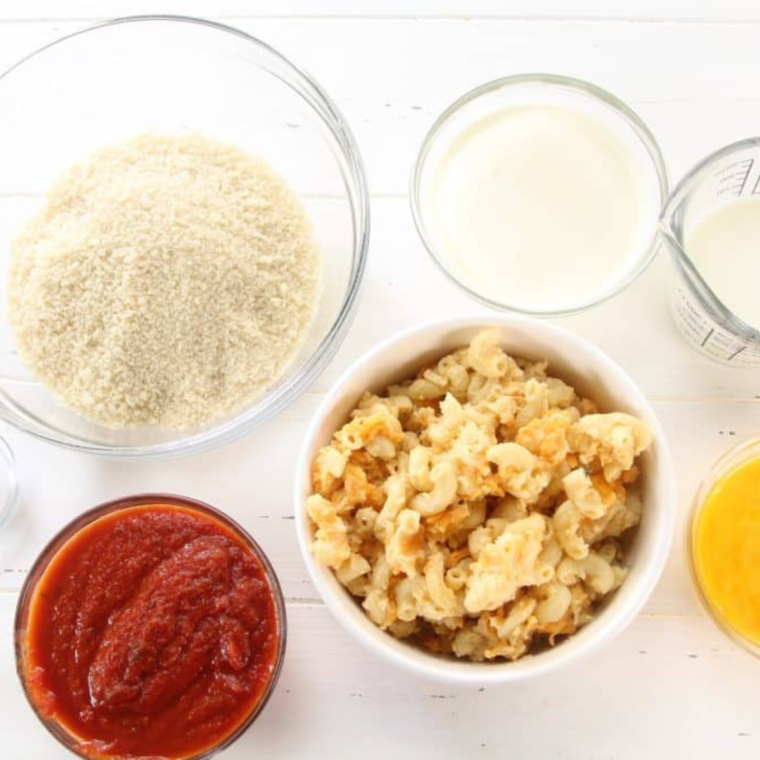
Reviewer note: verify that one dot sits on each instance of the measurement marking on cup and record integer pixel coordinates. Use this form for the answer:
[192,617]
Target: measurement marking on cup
[746,176]
[732,167]
[736,176]
[756,188]
[736,353]
[707,337]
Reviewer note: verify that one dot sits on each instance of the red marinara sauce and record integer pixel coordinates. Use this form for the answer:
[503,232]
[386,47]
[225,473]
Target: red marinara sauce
[154,631]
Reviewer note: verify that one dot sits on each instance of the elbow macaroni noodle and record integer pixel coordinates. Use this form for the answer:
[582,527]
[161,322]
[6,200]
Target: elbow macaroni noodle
[477,508]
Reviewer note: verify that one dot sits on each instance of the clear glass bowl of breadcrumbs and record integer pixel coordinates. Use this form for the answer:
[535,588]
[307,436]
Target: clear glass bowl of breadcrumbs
[121,78]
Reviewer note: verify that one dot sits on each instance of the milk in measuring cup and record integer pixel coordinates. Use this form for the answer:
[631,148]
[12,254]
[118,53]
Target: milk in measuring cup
[725,248]
[711,224]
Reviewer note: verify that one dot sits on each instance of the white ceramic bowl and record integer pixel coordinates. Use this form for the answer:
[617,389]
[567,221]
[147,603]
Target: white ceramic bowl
[593,374]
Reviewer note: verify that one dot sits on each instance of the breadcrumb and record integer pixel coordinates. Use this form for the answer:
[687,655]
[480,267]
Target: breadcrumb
[168,281]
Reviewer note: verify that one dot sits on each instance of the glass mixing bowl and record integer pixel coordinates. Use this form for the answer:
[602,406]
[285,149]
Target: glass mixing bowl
[173,74]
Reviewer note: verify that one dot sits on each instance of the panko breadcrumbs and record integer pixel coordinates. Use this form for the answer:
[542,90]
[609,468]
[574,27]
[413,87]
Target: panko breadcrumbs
[478,508]
[168,281]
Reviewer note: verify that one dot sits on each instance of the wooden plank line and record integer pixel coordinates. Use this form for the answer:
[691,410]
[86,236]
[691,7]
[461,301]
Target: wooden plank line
[396,16]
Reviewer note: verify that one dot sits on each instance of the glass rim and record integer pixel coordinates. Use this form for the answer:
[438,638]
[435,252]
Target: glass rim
[8,461]
[51,550]
[588,89]
[261,410]
[736,456]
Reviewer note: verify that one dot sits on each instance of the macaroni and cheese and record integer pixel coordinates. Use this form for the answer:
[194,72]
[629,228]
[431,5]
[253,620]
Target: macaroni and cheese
[477,508]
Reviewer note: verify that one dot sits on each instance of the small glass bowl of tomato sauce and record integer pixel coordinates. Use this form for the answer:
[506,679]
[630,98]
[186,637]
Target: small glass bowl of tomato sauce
[723,544]
[151,626]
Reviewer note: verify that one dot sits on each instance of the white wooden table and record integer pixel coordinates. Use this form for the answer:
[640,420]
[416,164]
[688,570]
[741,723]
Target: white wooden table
[670,685]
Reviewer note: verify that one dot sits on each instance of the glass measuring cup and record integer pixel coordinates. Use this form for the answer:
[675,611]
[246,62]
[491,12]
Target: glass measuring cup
[706,323]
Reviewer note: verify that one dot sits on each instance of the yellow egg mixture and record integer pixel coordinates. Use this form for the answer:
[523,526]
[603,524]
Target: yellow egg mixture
[727,549]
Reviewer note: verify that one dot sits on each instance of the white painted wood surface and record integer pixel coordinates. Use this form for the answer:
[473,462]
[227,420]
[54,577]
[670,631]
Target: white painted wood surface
[670,685]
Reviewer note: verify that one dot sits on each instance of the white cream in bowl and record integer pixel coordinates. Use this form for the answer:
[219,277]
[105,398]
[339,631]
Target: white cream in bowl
[539,194]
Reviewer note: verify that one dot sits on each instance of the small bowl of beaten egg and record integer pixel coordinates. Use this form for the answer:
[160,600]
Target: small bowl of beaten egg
[723,544]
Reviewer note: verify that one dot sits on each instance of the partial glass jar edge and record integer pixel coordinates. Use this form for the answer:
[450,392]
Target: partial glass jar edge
[9,504]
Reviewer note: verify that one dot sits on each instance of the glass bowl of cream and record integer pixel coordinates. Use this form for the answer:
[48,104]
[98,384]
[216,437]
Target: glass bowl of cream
[539,194]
